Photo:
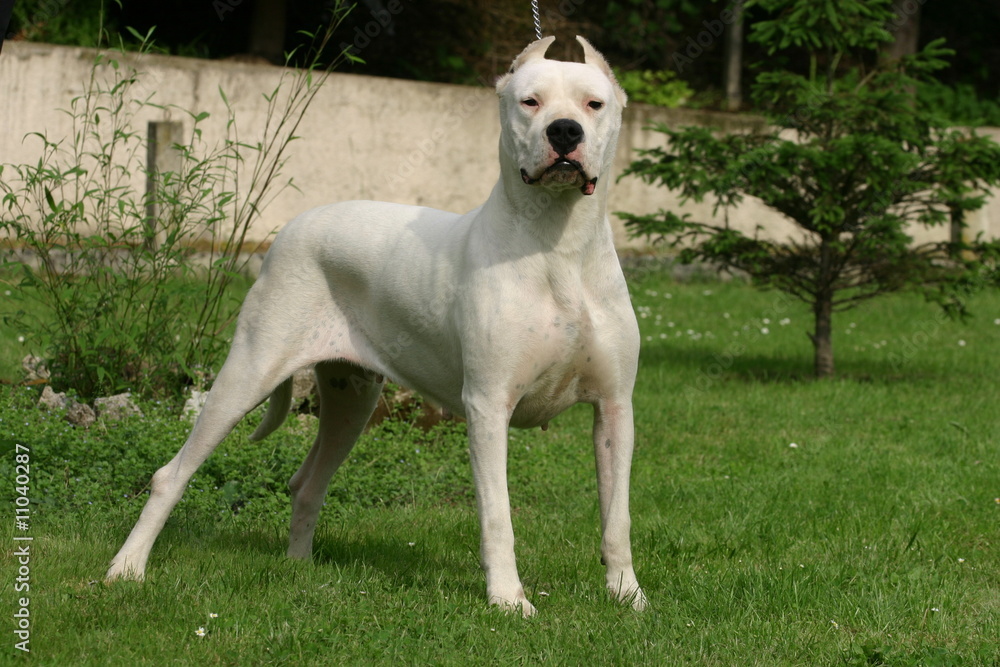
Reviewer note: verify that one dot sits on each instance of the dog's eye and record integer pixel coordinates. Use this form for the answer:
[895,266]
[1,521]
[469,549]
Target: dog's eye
[530,102]
[595,105]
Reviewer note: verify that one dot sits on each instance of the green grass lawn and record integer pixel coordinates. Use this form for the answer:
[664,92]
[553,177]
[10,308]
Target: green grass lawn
[776,520]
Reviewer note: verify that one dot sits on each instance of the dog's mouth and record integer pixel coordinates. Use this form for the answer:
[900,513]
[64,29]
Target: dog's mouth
[563,172]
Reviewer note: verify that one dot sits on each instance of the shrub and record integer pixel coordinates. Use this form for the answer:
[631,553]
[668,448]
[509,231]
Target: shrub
[958,105]
[659,87]
[850,159]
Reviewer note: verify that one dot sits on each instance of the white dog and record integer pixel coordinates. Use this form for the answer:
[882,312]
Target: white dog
[506,315]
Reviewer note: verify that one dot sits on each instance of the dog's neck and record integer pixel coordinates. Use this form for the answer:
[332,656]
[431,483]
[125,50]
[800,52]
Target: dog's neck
[564,221]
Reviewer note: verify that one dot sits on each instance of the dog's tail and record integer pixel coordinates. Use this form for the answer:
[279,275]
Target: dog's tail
[277,410]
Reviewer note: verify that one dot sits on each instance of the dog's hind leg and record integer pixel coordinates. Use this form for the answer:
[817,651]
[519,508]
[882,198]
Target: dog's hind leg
[348,395]
[245,380]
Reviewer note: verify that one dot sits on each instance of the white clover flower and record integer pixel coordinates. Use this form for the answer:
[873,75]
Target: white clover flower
[20,339]
[765,330]
[961,343]
[793,445]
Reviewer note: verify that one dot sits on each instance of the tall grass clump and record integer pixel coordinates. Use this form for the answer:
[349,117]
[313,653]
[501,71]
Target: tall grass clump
[118,296]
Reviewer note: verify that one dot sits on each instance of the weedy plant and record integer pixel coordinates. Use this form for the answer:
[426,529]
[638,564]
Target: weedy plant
[124,303]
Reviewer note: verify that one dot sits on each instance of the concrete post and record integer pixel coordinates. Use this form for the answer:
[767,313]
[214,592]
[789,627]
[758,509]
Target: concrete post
[162,156]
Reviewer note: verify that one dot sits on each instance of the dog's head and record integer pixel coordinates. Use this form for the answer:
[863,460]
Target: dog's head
[560,120]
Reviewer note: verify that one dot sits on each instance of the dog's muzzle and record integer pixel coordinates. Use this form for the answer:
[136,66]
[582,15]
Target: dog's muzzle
[563,172]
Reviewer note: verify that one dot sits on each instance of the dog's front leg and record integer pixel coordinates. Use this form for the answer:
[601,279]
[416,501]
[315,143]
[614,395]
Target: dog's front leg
[614,436]
[488,422]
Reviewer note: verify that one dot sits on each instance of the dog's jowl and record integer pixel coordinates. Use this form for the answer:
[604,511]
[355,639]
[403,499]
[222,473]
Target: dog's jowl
[530,315]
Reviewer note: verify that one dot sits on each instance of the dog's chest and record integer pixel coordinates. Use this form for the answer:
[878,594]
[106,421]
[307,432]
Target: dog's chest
[562,354]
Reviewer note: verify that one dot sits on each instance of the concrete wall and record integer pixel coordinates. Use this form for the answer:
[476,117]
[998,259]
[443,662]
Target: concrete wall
[364,138]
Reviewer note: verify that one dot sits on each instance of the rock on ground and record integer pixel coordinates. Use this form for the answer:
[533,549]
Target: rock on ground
[51,400]
[116,407]
[303,384]
[34,369]
[80,414]
[194,404]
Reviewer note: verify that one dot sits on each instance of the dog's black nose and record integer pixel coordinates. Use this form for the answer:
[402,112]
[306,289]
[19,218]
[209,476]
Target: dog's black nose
[564,135]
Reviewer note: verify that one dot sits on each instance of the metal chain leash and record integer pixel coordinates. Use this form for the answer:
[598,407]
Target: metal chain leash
[538,21]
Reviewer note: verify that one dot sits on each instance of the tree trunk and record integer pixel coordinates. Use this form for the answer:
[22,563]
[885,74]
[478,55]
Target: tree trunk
[905,30]
[957,235]
[267,30]
[733,60]
[823,310]
[822,337]
[6,9]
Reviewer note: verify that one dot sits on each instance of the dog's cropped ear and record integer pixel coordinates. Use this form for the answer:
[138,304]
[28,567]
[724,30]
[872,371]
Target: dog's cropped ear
[534,51]
[592,56]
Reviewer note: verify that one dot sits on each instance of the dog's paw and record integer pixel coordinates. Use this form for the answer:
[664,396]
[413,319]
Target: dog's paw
[121,571]
[635,599]
[517,604]
[628,593]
